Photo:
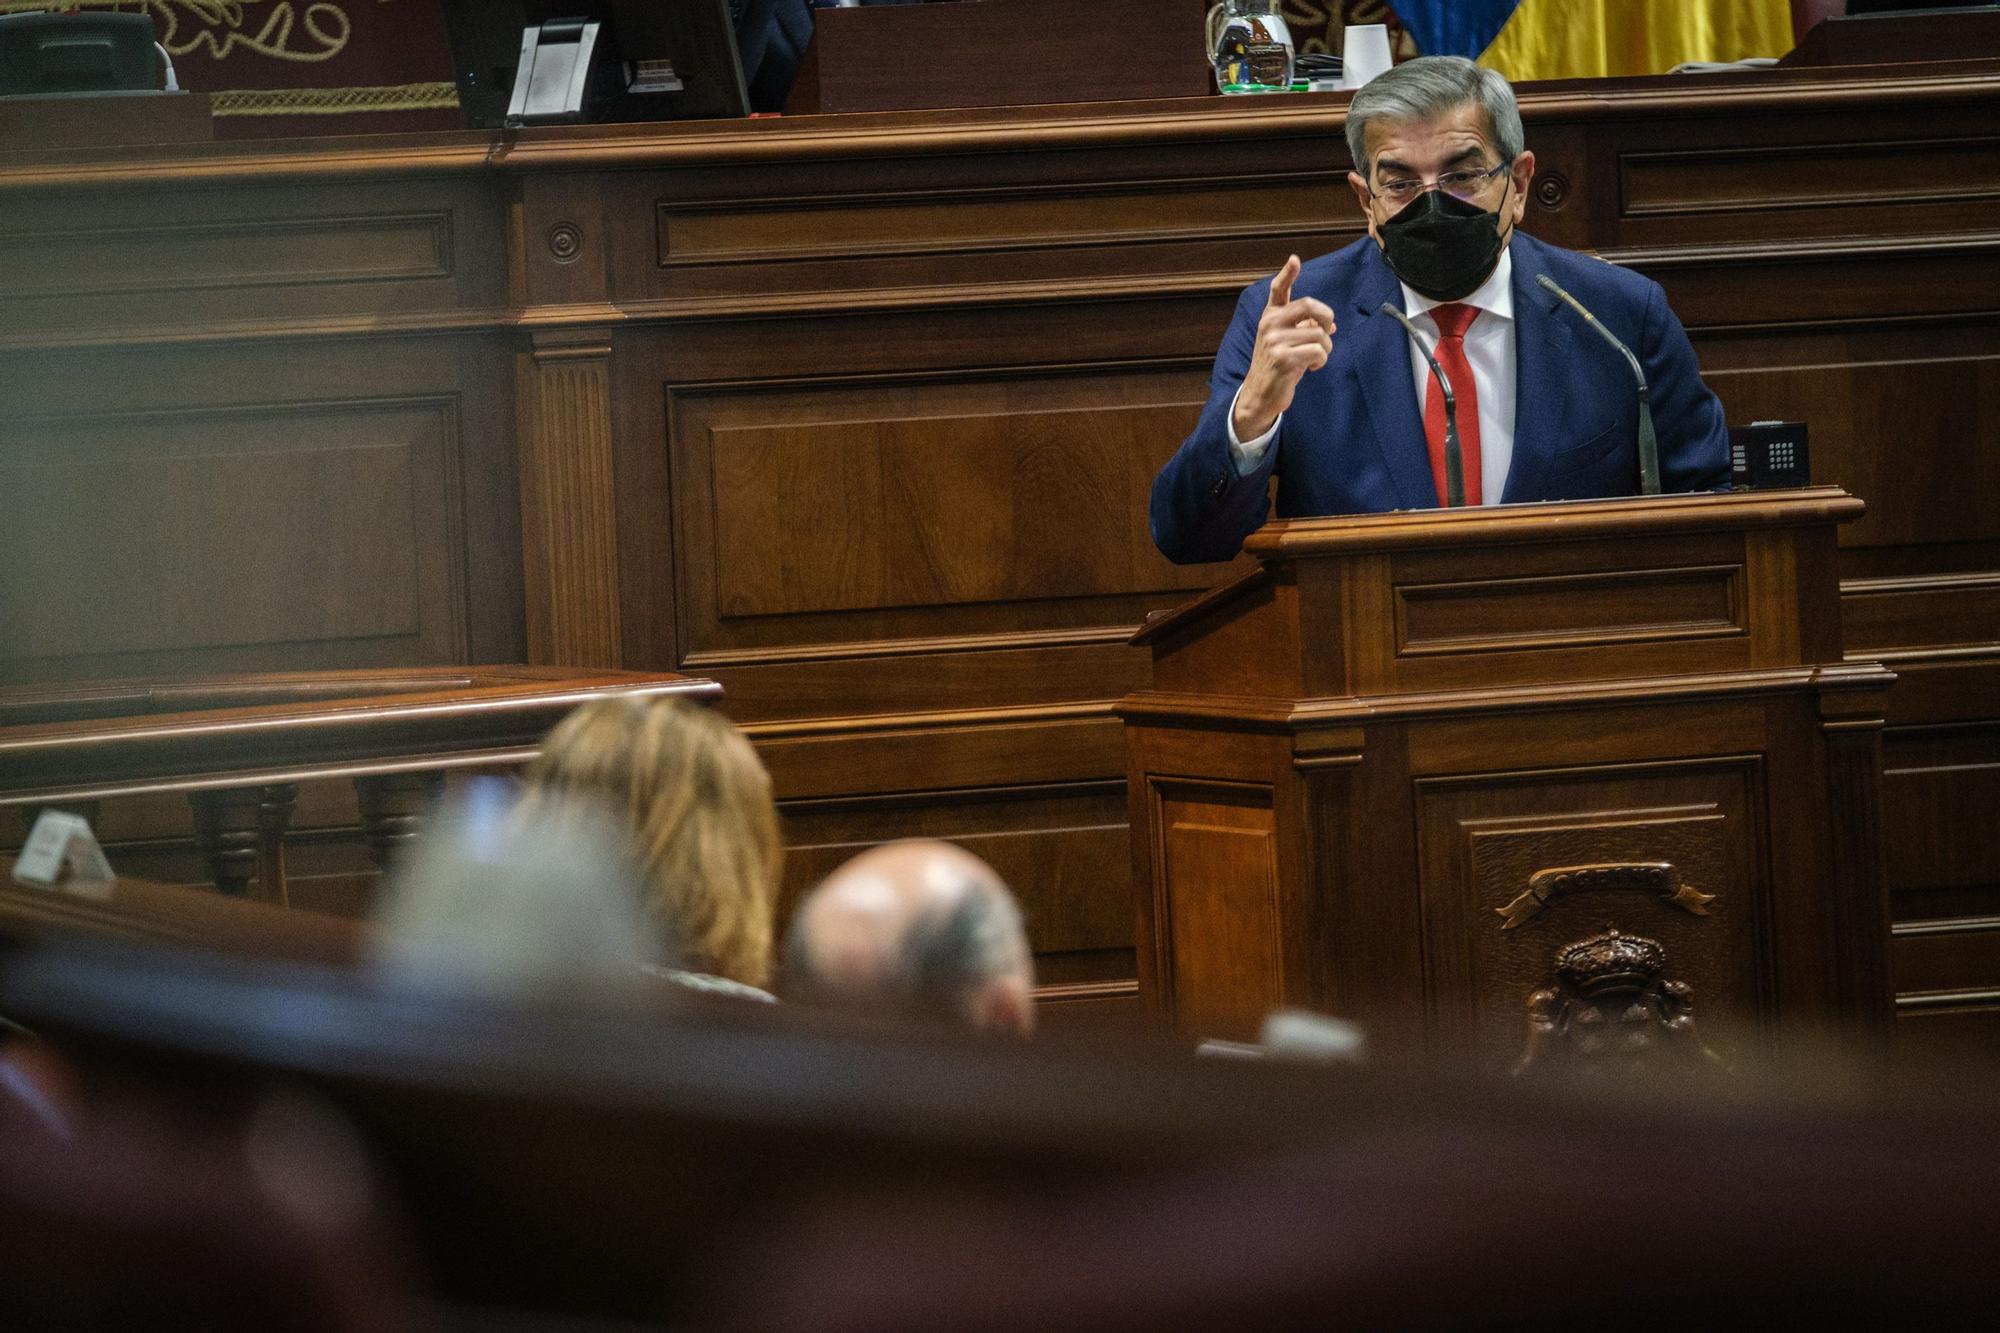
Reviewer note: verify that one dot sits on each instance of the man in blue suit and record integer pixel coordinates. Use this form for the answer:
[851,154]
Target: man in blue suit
[1316,387]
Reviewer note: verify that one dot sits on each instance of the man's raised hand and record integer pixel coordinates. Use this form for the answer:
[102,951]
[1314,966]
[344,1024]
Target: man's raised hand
[1293,337]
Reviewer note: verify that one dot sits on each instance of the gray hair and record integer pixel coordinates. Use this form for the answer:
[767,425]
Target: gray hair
[1429,87]
[946,956]
[949,956]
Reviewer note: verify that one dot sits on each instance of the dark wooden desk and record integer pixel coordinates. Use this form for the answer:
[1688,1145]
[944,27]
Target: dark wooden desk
[180,916]
[856,415]
[238,749]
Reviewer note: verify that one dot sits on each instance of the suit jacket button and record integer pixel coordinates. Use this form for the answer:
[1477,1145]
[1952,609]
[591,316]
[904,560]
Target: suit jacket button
[1220,488]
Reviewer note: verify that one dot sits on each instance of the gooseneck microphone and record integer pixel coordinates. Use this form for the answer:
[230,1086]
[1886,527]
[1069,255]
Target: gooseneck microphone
[1454,458]
[1649,444]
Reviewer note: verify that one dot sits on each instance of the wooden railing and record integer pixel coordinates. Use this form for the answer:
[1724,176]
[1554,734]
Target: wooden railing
[238,747]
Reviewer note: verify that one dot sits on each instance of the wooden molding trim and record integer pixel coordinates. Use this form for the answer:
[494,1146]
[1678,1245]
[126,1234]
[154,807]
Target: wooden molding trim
[996,130]
[718,659]
[1943,319]
[892,134]
[785,305]
[1948,999]
[1563,521]
[1088,990]
[1117,124]
[1100,710]
[1958,925]
[1091,187]
[502,757]
[1320,763]
[1969,654]
[558,346]
[1164,622]
[1163,707]
[1843,250]
[875,801]
[909,248]
[969,296]
[1882,587]
[1911,731]
[1006,370]
[1237,712]
[252,163]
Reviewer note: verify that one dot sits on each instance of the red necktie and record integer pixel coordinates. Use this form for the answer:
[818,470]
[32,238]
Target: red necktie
[1452,321]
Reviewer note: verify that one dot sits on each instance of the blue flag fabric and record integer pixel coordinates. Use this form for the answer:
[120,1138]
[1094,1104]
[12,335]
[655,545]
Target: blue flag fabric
[1454,27]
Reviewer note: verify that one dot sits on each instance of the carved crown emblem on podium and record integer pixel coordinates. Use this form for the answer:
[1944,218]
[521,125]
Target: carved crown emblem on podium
[1610,962]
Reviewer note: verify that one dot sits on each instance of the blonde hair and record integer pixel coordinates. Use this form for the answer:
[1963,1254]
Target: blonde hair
[697,802]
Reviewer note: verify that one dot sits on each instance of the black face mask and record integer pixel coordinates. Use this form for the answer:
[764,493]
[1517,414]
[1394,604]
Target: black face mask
[1441,245]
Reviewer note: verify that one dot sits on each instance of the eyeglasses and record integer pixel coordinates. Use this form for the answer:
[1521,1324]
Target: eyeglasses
[1466,185]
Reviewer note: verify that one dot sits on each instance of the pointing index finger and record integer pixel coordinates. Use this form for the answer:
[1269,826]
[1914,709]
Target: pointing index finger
[1281,286]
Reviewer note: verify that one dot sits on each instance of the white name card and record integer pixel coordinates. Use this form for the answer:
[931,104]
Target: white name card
[62,852]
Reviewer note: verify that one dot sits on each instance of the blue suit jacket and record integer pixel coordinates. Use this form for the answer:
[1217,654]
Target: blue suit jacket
[1352,441]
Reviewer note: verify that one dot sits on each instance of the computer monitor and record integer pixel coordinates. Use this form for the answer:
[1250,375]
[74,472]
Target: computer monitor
[695,39]
[53,55]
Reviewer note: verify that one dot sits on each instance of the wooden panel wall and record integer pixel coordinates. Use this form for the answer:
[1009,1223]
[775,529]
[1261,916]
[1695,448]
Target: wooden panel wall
[1839,269]
[210,456]
[858,415]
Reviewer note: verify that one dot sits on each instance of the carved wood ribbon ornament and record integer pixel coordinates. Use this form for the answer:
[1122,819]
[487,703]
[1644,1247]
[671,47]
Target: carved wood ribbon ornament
[1659,878]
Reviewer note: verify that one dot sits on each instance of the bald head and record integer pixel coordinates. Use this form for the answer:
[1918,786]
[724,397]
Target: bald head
[919,927]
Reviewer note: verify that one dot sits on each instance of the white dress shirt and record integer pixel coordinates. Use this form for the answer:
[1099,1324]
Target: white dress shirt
[1489,350]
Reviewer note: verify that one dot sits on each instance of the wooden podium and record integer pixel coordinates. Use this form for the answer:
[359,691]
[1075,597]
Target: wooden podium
[1463,775]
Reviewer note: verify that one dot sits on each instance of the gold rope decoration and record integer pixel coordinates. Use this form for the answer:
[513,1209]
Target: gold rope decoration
[335,101]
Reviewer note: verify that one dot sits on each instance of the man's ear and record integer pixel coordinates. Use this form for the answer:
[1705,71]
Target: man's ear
[1524,176]
[1362,196]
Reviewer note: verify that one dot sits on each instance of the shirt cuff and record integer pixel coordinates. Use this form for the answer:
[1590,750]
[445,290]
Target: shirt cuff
[1249,454]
